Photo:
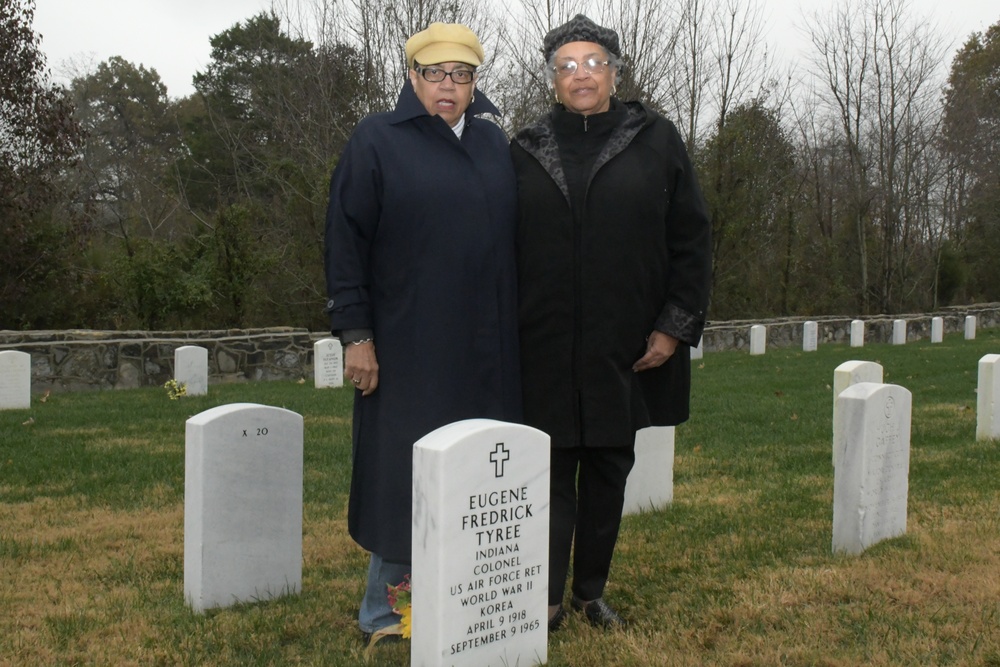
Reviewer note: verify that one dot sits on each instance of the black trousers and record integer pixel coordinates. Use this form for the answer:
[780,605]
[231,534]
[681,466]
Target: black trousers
[588,492]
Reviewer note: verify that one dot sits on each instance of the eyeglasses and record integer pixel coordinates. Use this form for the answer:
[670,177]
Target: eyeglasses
[590,65]
[437,74]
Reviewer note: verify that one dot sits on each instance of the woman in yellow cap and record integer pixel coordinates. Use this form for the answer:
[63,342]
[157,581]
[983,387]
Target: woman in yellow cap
[420,275]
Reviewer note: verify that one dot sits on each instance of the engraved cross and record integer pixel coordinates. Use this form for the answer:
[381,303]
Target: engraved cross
[498,457]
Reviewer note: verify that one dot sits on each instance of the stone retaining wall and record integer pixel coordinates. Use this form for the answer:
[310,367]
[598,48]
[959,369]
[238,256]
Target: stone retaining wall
[81,359]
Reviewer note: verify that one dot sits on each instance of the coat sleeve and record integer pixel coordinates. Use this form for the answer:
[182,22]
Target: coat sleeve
[689,247]
[351,223]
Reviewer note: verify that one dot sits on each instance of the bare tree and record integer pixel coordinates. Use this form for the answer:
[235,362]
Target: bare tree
[742,67]
[690,71]
[841,60]
[878,69]
[517,81]
[649,31]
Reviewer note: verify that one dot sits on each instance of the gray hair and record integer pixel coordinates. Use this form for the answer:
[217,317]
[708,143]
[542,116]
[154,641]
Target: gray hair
[613,61]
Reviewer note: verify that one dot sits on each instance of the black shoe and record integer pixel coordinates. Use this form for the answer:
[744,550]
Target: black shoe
[556,621]
[599,613]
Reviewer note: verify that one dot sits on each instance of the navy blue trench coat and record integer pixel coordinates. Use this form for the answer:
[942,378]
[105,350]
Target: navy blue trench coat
[420,235]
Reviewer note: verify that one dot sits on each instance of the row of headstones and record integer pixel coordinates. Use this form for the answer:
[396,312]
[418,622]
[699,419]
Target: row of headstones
[810,335]
[191,366]
[480,517]
[481,564]
[190,372]
[191,361]
[871,449]
[987,391]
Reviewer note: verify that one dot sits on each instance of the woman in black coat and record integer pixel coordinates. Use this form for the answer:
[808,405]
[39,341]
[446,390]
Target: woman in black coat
[421,275]
[614,269]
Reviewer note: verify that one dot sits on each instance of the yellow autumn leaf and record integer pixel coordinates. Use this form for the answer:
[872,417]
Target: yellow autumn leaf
[406,622]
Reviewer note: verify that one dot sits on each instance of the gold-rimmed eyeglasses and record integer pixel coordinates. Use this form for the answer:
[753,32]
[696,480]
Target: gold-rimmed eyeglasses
[590,65]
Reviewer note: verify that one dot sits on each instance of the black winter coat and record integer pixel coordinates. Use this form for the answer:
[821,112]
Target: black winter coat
[595,282]
[420,249]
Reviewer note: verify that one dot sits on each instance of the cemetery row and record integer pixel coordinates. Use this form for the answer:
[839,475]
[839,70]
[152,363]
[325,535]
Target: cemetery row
[192,367]
[480,510]
[810,335]
[74,360]
[480,499]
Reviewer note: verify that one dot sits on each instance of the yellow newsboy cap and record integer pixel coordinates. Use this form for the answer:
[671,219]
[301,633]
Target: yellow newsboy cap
[444,43]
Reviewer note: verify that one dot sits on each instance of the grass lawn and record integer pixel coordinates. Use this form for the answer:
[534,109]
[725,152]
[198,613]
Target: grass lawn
[737,572]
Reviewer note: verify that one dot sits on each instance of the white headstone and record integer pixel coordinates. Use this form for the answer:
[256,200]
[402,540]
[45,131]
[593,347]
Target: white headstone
[15,380]
[871,481]
[480,546]
[242,505]
[970,327]
[857,333]
[758,339]
[328,363]
[899,332]
[810,336]
[851,373]
[191,369]
[698,352]
[650,485]
[988,398]
[937,329]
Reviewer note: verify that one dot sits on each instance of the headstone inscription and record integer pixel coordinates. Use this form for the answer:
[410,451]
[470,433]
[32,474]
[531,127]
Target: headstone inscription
[988,398]
[970,327]
[899,332]
[242,505]
[857,333]
[758,339]
[328,363]
[937,329]
[851,373]
[191,369]
[810,336]
[871,481]
[480,546]
[699,351]
[650,485]
[15,380]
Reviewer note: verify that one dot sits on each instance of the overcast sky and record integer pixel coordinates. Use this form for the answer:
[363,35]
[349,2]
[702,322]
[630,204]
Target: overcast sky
[171,36]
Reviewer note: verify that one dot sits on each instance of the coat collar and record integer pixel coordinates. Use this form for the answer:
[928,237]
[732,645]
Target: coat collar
[409,106]
[539,140]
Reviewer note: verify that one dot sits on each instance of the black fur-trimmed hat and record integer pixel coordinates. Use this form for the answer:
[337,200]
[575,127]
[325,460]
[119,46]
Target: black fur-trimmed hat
[580,29]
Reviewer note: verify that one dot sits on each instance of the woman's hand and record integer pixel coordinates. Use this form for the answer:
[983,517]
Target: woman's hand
[659,348]
[361,366]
